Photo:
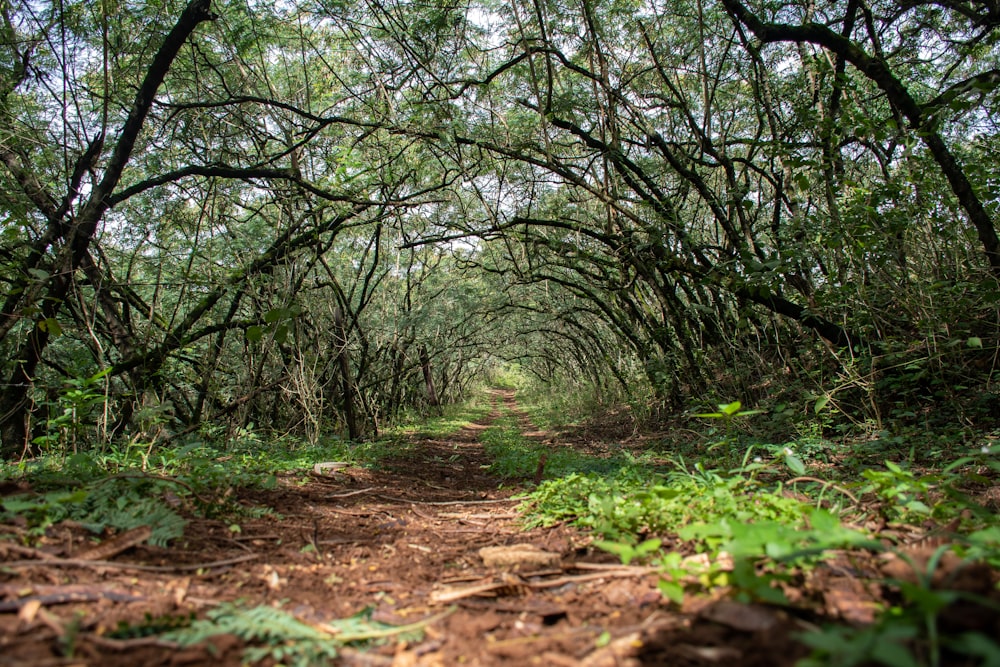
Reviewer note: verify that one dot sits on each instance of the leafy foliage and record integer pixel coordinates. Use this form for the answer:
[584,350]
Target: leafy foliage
[516,456]
[759,542]
[283,638]
[277,635]
[118,504]
[635,502]
[228,254]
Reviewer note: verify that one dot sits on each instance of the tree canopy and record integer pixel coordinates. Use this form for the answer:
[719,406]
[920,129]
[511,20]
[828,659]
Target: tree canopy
[315,215]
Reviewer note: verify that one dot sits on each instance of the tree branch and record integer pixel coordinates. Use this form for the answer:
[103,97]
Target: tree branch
[877,70]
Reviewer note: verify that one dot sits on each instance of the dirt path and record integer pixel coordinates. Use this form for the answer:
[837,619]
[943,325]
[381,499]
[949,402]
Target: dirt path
[405,541]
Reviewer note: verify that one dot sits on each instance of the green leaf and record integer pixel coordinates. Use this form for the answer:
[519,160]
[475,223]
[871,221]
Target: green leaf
[255,334]
[893,653]
[918,507]
[274,315]
[51,326]
[988,537]
[974,342]
[672,591]
[626,552]
[649,546]
[973,643]
[795,464]
[823,521]
[100,374]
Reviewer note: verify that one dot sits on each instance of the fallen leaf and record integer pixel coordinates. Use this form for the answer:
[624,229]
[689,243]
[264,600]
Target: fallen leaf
[738,616]
[517,554]
[117,544]
[28,612]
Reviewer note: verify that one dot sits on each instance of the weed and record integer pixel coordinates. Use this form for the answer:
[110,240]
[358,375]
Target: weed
[549,409]
[516,456]
[116,503]
[151,626]
[633,501]
[628,552]
[454,418]
[276,635]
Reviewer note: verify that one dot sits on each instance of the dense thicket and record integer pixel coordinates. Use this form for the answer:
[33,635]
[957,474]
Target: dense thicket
[309,217]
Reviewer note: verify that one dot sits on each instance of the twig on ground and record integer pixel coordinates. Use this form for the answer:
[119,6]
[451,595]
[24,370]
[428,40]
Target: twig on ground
[824,482]
[347,637]
[76,562]
[127,644]
[348,494]
[513,583]
[116,545]
[25,551]
[67,597]
[348,512]
[450,502]
[624,572]
[422,515]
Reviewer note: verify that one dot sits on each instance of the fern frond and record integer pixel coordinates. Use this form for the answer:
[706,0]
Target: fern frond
[287,640]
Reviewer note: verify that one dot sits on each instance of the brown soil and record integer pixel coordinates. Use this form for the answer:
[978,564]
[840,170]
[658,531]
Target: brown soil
[405,541]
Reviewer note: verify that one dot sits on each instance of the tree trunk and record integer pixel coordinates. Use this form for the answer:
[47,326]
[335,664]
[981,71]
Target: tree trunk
[354,430]
[425,365]
[15,403]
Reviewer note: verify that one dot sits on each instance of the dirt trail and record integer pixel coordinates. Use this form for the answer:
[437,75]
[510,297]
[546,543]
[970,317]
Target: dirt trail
[406,541]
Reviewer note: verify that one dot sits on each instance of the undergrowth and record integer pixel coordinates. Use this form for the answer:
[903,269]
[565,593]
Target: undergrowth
[402,440]
[122,487]
[118,504]
[516,456]
[754,519]
[453,418]
[548,409]
[125,486]
[274,634]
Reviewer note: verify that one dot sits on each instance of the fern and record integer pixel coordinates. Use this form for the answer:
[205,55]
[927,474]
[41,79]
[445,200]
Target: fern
[135,511]
[151,626]
[121,504]
[124,504]
[42,511]
[281,637]
[286,639]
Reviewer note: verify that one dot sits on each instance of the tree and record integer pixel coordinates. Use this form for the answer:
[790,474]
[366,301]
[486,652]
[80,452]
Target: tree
[45,273]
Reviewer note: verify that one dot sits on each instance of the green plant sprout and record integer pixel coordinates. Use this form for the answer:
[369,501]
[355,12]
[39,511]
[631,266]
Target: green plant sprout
[728,413]
[69,413]
[628,552]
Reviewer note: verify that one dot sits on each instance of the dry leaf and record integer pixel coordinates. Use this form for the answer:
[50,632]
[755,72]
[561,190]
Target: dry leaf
[517,554]
[850,605]
[117,544]
[329,467]
[28,612]
[738,616]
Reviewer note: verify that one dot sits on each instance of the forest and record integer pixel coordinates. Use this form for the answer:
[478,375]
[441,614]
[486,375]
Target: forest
[649,247]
